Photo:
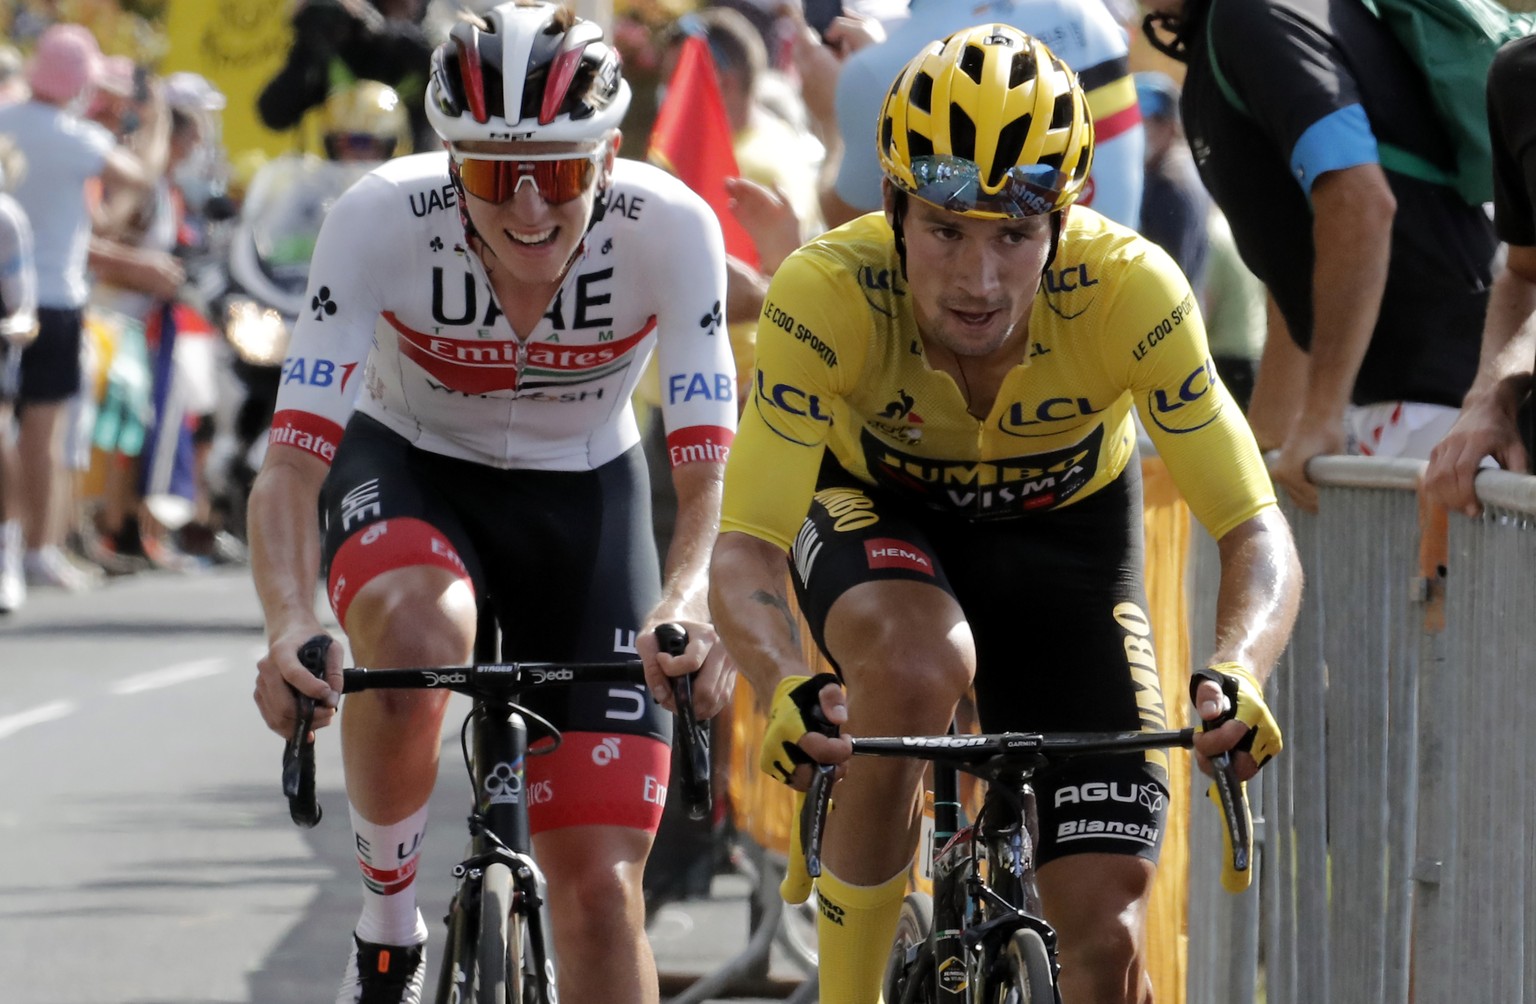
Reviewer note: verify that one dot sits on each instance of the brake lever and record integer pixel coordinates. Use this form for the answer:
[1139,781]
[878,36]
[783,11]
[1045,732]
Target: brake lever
[692,735]
[813,817]
[299,750]
[1231,796]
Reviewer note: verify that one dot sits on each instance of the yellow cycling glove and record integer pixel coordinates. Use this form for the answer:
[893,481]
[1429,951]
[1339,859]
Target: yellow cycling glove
[1263,740]
[796,710]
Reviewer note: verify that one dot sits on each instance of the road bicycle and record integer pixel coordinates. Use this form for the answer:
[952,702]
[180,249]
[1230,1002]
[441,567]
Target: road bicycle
[497,951]
[981,938]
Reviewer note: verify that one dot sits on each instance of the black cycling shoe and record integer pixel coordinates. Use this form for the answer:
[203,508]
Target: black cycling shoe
[383,974]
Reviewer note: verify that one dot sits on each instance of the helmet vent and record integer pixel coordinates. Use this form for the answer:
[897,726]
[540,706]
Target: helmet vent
[1010,147]
[918,145]
[1020,68]
[921,95]
[962,133]
[1061,113]
[971,61]
[887,128]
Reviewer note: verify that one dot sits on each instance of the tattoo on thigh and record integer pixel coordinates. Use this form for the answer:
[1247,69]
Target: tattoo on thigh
[780,602]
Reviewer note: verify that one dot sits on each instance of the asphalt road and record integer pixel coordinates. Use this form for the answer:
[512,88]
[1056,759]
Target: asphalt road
[146,856]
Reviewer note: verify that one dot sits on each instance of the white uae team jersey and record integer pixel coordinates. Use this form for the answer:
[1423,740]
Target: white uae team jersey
[401,322]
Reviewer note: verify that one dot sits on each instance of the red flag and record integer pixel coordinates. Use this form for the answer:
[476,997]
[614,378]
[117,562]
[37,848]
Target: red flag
[692,139]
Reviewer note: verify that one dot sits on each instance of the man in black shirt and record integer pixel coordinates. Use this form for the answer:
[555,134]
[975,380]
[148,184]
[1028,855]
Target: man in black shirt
[338,41]
[1488,424]
[1382,277]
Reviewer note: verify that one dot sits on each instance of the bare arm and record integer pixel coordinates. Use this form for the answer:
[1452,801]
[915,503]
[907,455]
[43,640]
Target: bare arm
[285,564]
[686,572]
[685,599]
[1256,608]
[749,596]
[1487,424]
[154,272]
[1352,211]
[1277,385]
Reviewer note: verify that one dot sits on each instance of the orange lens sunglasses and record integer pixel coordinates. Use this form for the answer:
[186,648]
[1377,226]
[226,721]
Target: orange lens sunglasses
[556,180]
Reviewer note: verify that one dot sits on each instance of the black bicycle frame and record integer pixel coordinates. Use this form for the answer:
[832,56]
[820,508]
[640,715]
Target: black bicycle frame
[973,919]
[497,755]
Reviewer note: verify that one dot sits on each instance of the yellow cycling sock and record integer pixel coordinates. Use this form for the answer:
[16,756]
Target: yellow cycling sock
[854,930]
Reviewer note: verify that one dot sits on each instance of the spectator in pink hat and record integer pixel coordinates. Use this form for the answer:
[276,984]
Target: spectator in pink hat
[66,64]
[64,152]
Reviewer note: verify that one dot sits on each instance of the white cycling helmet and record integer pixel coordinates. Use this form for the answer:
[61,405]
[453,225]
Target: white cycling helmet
[526,72]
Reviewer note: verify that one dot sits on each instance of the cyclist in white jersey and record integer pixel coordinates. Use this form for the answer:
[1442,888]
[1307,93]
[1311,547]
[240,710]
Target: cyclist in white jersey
[488,312]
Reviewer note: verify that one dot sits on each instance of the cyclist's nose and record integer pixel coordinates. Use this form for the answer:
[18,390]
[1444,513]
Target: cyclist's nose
[979,273]
[526,197]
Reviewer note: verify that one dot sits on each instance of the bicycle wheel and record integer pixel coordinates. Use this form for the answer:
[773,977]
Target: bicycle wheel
[499,976]
[909,968]
[1027,971]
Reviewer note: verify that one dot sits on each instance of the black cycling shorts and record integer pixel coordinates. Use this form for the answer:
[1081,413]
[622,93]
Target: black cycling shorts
[1057,606]
[568,562]
[50,365]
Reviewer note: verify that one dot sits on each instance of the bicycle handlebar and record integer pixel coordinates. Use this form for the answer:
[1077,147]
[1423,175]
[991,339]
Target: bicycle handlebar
[497,681]
[989,756]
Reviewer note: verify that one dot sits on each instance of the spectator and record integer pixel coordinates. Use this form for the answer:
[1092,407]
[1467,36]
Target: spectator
[1173,202]
[142,277]
[343,40]
[1082,32]
[1488,424]
[1380,277]
[18,326]
[63,152]
[772,147]
[114,103]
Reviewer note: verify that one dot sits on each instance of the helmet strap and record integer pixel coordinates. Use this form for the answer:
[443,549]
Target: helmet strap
[898,228]
[1055,240]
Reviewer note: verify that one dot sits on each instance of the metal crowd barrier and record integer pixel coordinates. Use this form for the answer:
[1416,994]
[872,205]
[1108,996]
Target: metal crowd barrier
[1395,857]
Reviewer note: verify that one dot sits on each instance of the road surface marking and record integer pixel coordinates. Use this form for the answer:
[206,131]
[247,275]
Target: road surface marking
[170,676]
[11,724]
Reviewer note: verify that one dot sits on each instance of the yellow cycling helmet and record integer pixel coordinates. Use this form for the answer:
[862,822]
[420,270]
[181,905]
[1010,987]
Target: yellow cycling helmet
[988,123]
[365,120]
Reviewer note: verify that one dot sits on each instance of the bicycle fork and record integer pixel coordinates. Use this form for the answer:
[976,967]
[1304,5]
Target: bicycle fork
[499,747]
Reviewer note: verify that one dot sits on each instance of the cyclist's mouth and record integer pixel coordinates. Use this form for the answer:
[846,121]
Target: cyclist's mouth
[974,318]
[534,239]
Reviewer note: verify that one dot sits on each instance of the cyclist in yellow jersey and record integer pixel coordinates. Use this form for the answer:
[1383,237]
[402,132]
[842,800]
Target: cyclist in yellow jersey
[940,439]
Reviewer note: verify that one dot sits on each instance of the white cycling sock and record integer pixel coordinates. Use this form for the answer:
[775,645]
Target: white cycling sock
[387,856]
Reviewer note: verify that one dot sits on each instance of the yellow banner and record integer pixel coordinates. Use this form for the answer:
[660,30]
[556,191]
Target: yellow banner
[239,45]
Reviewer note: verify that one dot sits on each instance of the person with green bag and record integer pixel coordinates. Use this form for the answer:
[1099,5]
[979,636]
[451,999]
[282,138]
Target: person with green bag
[1296,111]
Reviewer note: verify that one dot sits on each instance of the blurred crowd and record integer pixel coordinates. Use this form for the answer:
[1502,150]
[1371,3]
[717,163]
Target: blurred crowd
[149,271]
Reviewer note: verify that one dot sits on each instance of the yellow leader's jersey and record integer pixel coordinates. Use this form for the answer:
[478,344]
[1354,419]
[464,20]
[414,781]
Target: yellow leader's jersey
[840,366]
